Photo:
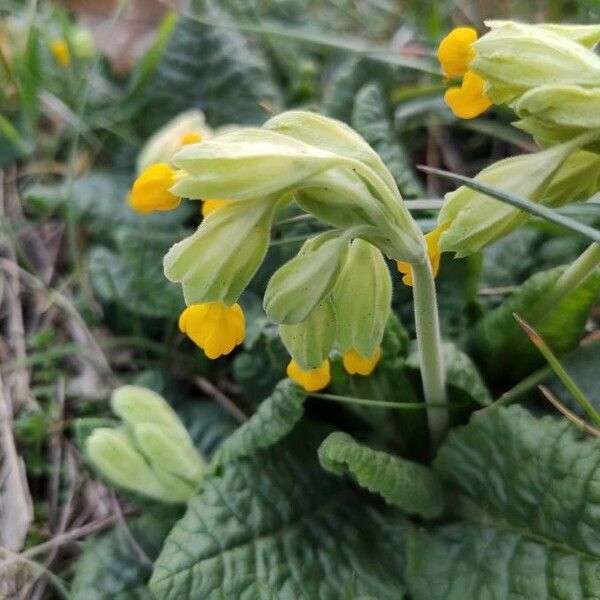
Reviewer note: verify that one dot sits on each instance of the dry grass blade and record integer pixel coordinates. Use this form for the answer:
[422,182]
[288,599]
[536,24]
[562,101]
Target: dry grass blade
[577,421]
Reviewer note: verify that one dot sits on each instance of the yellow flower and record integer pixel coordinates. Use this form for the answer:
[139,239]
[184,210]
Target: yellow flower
[209,206]
[150,190]
[191,137]
[432,239]
[214,327]
[469,100]
[357,364]
[61,53]
[311,380]
[455,51]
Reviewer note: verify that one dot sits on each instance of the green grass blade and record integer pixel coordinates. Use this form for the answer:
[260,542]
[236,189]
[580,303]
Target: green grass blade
[539,210]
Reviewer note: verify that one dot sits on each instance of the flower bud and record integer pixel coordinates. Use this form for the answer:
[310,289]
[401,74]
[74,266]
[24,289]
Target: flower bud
[299,285]
[221,257]
[514,57]
[310,342]
[152,453]
[475,220]
[248,163]
[187,128]
[362,299]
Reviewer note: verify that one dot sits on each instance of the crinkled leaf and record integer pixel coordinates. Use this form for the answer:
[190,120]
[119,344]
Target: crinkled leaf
[408,485]
[502,350]
[133,276]
[370,118]
[215,69]
[99,201]
[528,494]
[110,568]
[274,419]
[278,520]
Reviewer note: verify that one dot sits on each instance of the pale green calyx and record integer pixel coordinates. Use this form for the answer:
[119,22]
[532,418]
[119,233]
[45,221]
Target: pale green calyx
[221,257]
[310,342]
[151,453]
[513,58]
[298,286]
[362,299]
[474,220]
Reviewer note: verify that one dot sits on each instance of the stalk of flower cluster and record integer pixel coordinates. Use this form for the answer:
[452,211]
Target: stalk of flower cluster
[575,274]
[430,352]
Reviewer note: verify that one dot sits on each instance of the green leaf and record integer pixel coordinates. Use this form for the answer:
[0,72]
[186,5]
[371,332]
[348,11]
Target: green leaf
[582,365]
[274,419]
[99,201]
[215,69]
[277,520]
[462,375]
[133,275]
[110,568]
[505,353]
[528,498]
[370,118]
[408,485]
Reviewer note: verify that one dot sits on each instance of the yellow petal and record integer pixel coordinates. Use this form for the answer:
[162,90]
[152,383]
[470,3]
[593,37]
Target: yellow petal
[311,380]
[214,327]
[455,51]
[150,190]
[406,271]
[61,53]
[357,364]
[191,137]
[469,100]
[209,206]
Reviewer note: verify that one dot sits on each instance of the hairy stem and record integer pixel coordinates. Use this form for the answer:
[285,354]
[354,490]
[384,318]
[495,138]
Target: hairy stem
[430,352]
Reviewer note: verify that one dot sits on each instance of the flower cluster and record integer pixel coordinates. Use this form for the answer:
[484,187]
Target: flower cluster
[550,76]
[336,293]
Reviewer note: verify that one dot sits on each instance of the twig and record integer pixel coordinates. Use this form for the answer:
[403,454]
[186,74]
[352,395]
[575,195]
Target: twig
[577,421]
[229,405]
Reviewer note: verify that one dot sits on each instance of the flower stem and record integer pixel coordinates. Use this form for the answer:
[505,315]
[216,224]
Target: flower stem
[430,352]
[575,274]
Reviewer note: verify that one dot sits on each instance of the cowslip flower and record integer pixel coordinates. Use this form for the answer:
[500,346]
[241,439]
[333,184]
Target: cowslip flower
[151,190]
[455,54]
[60,52]
[312,380]
[214,327]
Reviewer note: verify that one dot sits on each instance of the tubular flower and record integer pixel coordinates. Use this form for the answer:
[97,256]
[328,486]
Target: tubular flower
[357,364]
[209,206]
[455,52]
[312,380]
[434,253]
[214,327]
[61,53]
[150,190]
